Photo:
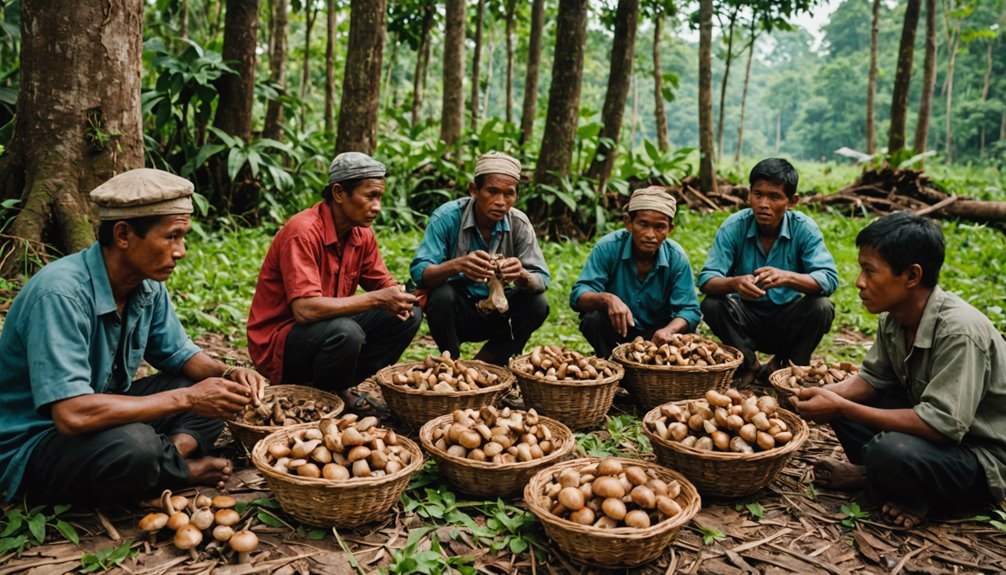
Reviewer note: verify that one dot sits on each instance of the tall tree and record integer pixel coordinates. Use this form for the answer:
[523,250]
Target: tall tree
[732,13]
[454,62]
[361,87]
[903,78]
[530,105]
[928,80]
[310,15]
[622,49]
[707,170]
[68,141]
[511,11]
[476,57]
[753,32]
[330,36]
[871,92]
[422,60]
[954,13]
[658,84]
[237,91]
[277,69]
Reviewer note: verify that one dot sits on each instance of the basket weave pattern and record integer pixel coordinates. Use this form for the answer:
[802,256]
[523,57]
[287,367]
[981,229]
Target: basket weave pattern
[249,435]
[778,379]
[577,403]
[653,385]
[610,548]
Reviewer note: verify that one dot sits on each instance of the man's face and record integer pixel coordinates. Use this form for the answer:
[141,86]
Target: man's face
[155,255]
[879,288]
[649,229]
[496,196]
[362,206]
[769,203]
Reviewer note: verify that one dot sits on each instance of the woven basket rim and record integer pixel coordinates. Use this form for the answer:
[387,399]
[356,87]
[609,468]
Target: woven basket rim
[426,432]
[618,355]
[687,512]
[341,406]
[800,435]
[258,458]
[506,380]
[520,374]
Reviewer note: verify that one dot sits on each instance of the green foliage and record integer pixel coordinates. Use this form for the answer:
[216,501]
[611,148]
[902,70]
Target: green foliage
[107,557]
[997,519]
[22,528]
[432,561]
[811,491]
[624,437]
[508,527]
[853,515]
[754,509]
[711,536]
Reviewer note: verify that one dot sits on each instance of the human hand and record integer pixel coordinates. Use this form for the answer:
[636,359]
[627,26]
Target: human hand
[476,266]
[663,335]
[396,301]
[620,315]
[747,287]
[769,277]
[513,271]
[818,404]
[254,380]
[217,397]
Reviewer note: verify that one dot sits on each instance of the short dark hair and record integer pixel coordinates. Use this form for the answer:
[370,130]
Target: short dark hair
[481,179]
[776,171]
[903,239]
[106,229]
[348,186]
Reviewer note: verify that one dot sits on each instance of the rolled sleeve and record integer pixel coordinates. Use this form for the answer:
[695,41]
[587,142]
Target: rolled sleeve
[720,259]
[956,386]
[433,249]
[529,253]
[58,366]
[594,276]
[818,261]
[168,346]
[684,303]
[877,370]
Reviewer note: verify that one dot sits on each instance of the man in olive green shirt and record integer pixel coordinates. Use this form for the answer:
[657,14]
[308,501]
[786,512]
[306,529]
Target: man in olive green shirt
[924,423]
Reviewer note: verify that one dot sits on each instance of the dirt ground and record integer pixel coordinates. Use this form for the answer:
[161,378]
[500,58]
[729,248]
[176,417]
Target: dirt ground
[801,531]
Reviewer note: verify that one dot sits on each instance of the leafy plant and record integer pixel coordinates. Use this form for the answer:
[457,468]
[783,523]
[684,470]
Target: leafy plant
[997,519]
[624,436]
[22,528]
[710,536]
[107,557]
[811,491]
[853,515]
[754,508]
[509,527]
[432,561]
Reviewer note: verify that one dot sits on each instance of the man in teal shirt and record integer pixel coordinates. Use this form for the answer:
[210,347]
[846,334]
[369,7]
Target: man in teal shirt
[74,426]
[636,281]
[768,276]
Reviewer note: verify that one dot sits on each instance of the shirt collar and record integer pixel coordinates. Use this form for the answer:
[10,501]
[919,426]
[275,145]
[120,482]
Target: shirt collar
[663,255]
[104,301]
[468,219]
[752,231]
[329,235]
[927,325]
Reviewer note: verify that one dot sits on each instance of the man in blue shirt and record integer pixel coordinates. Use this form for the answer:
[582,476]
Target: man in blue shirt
[74,426]
[636,281]
[453,265]
[768,276]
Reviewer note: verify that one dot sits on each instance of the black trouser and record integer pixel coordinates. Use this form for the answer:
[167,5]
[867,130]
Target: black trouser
[121,464]
[791,333]
[905,468]
[338,353]
[597,329]
[453,318]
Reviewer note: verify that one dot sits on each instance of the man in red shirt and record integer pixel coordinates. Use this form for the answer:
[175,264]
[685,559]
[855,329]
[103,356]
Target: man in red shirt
[307,323]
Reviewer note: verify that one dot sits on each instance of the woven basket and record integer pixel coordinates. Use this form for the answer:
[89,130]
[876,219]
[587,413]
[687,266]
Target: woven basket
[331,503]
[610,548]
[653,385]
[486,479]
[575,402]
[725,474]
[249,435]
[779,379]
[416,407]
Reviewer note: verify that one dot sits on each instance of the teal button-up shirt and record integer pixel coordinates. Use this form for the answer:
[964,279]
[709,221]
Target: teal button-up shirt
[60,341]
[667,291]
[799,248]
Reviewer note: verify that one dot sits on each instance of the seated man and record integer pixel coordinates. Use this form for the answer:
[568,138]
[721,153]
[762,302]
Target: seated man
[74,426]
[924,423]
[453,265]
[307,323]
[763,258]
[636,281]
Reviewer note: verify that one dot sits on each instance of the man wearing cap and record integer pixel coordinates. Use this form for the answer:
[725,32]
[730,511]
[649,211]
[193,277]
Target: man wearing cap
[307,323]
[453,265]
[768,276]
[637,281]
[74,426]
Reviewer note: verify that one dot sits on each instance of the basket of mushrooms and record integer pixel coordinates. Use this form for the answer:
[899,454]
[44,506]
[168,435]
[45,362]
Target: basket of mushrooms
[337,472]
[788,380]
[283,406]
[567,385]
[418,391]
[683,368]
[202,518]
[493,453]
[727,444]
[611,513]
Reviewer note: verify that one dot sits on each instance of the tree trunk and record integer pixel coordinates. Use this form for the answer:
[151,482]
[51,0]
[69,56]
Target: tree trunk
[330,38]
[707,170]
[361,84]
[744,98]
[184,27]
[214,22]
[985,94]
[68,141]
[778,132]
[634,120]
[277,67]
[619,73]
[928,80]
[903,78]
[723,87]
[422,62]
[953,43]
[476,56]
[392,62]
[237,91]
[530,105]
[453,103]
[511,10]
[871,92]
[305,77]
[489,76]
[658,86]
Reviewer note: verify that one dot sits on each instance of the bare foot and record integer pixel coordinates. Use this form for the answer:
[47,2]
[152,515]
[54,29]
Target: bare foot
[905,515]
[840,475]
[210,471]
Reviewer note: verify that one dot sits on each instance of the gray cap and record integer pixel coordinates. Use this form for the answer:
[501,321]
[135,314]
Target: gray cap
[143,192]
[354,166]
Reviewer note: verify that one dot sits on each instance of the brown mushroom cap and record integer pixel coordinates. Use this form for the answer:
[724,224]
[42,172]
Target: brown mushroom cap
[154,521]
[244,541]
[188,536]
[223,532]
[224,502]
[177,520]
[227,517]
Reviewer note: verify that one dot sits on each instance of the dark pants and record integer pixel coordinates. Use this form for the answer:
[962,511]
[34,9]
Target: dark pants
[904,468]
[791,333]
[453,318]
[597,329]
[121,464]
[339,353]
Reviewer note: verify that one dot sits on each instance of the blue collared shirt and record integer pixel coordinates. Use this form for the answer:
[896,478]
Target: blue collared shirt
[667,292]
[799,248]
[452,233]
[60,340]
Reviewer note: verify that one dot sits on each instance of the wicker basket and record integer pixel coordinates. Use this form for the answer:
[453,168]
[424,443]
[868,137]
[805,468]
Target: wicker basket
[725,474]
[249,435]
[575,402]
[489,480]
[331,503]
[653,385]
[610,548]
[416,407]
[779,379]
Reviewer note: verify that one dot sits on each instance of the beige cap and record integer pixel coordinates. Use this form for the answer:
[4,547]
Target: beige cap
[498,163]
[143,192]
[654,198]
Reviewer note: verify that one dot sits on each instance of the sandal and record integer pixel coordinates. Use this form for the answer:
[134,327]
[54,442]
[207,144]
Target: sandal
[364,404]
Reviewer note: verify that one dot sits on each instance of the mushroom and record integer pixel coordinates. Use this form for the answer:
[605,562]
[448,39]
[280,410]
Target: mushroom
[202,518]
[177,520]
[227,517]
[152,523]
[244,542]
[223,533]
[224,502]
[188,537]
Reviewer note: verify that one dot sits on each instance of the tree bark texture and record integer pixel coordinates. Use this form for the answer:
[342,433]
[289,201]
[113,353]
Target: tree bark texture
[903,78]
[422,63]
[953,39]
[237,91]
[723,86]
[452,107]
[928,80]
[78,121]
[476,57]
[707,170]
[987,83]
[277,69]
[619,73]
[744,99]
[871,92]
[330,37]
[658,86]
[511,10]
[530,104]
[311,15]
[361,84]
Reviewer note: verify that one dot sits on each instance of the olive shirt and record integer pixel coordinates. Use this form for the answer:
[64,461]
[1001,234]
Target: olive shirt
[954,375]
[61,340]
